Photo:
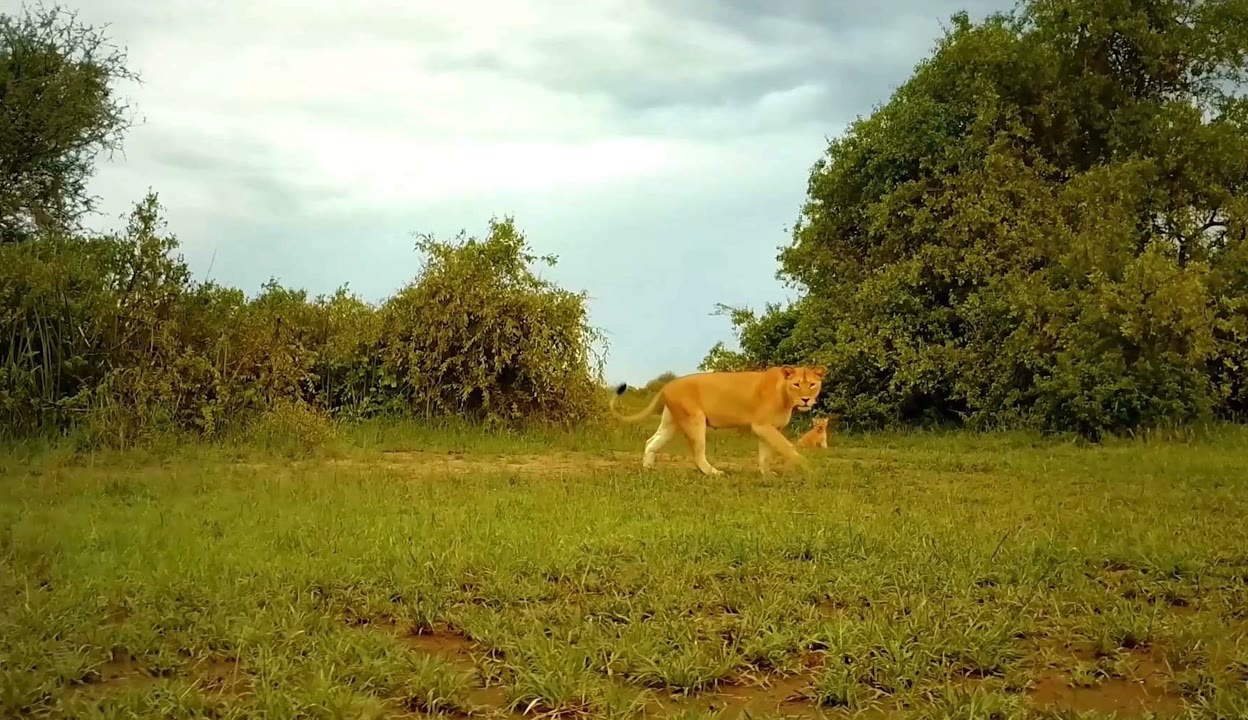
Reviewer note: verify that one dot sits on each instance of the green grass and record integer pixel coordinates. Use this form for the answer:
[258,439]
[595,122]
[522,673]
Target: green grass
[403,572]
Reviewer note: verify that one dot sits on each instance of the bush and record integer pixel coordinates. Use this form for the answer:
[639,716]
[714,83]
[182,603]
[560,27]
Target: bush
[1042,227]
[478,334]
[293,428]
[110,336]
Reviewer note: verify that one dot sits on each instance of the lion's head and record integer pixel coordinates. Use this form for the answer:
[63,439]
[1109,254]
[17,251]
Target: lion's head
[802,386]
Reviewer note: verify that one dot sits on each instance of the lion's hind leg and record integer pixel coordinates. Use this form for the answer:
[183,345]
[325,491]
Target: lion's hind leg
[694,427]
[662,436]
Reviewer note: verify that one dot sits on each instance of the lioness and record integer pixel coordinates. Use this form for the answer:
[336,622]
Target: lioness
[761,401]
[817,436]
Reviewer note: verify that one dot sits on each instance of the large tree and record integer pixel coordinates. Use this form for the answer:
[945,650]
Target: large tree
[59,110]
[1044,226]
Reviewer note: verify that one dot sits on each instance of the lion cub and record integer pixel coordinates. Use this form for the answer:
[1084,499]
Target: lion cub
[818,435]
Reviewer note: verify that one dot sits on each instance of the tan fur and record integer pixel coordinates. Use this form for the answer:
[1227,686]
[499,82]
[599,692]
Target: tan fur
[817,437]
[759,401]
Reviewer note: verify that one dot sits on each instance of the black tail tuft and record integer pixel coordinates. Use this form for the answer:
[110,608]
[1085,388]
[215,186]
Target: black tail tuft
[621,388]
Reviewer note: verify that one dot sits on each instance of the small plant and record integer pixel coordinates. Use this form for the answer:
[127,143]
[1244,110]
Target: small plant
[551,681]
[977,704]
[430,686]
[294,429]
[838,687]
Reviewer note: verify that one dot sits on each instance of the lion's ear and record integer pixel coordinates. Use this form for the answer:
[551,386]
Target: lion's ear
[787,371]
[819,370]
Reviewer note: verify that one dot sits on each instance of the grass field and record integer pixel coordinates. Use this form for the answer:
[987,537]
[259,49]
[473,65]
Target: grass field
[403,573]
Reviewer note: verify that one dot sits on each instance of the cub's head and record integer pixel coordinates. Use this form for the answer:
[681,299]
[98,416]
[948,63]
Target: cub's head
[802,386]
[821,424]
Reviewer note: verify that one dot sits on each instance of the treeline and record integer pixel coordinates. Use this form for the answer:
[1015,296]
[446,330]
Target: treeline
[110,335]
[1044,227]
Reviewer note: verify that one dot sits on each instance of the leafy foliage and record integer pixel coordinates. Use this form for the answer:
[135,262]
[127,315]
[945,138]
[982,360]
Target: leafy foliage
[110,334]
[1044,226]
[60,111]
[479,334]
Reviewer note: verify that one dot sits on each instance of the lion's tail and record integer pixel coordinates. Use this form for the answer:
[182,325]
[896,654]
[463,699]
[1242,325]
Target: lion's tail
[655,404]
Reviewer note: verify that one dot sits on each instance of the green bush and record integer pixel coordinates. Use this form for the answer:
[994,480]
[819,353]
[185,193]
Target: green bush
[478,334]
[111,337]
[1042,227]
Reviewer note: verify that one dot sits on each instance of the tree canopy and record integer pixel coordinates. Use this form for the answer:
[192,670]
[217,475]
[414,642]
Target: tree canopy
[59,109]
[1044,226]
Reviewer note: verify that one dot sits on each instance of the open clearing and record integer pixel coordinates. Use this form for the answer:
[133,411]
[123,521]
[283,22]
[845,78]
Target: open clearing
[949,576]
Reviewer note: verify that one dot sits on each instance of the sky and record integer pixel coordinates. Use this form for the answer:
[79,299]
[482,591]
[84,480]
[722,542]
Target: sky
[659,148]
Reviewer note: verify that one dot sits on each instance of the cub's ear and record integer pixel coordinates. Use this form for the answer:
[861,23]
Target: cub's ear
[787,371]
[819,370]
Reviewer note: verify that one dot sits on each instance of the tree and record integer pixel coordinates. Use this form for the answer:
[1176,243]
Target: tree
[1043,226]
[59,111]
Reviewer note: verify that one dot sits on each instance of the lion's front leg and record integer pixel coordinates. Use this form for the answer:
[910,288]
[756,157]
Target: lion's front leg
[777,442]
[764,458]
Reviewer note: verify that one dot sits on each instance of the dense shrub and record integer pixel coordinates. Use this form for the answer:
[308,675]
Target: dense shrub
[1044,226]
[111,335]
[478,334]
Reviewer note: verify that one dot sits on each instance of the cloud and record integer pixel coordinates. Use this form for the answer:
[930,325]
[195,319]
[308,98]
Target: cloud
[661,149]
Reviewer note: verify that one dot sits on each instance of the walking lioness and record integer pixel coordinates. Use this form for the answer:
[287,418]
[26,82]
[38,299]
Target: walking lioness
[760,401]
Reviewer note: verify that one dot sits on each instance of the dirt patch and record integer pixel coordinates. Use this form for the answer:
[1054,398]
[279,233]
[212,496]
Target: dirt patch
[1115,695]
[783,696]
[119,673]
[735,701]
[116,615]
[422,462]
[1150,667]
[553,463]
[453,648]
[441,643]
[742,698]
[543,464]
[834,609]
[221,676]
[747,697]
[1144,691]
[493,698]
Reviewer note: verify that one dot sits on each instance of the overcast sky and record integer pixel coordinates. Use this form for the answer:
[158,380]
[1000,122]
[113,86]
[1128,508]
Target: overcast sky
[660,148]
